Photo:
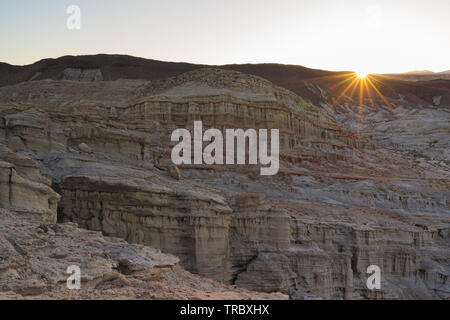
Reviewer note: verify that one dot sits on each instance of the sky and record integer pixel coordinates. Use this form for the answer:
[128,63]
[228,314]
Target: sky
[368,36]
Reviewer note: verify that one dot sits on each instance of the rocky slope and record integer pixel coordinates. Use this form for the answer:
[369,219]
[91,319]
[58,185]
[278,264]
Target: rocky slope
[98,154]
[35,252]
[34,257]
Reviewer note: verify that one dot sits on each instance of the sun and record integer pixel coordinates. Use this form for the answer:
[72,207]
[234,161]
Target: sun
[361,74]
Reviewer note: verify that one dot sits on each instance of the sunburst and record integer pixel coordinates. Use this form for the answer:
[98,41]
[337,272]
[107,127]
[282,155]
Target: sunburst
[361,83]
[361,74]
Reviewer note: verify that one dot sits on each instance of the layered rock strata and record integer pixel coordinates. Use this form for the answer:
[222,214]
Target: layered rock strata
[338,204]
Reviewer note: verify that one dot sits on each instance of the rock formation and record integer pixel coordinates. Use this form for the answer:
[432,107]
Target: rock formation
[98,154]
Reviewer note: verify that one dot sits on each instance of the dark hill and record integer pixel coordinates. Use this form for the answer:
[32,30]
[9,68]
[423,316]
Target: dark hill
[291,77]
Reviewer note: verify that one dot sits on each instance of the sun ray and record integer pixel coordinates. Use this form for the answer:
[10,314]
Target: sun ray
[350,85]
[361,91]
[369,94]
[390,77]
[337,85]
[352,94]
[361,100]
[380,94]
[330,77]
[373,78]
[390,107]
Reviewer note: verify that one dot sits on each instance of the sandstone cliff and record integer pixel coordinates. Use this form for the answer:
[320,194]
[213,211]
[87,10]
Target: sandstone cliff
[98,154]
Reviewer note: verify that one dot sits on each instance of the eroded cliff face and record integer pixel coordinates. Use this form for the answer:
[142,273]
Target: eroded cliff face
[338,204]
[23,188]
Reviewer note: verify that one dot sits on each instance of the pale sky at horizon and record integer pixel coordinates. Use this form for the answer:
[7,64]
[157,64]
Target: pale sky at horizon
[379,36]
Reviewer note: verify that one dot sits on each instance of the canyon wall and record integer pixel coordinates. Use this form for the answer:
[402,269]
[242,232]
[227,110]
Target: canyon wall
[99,155]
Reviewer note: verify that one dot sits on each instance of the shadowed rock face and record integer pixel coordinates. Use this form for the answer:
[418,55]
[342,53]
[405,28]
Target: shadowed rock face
[340,202]
[84,75]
